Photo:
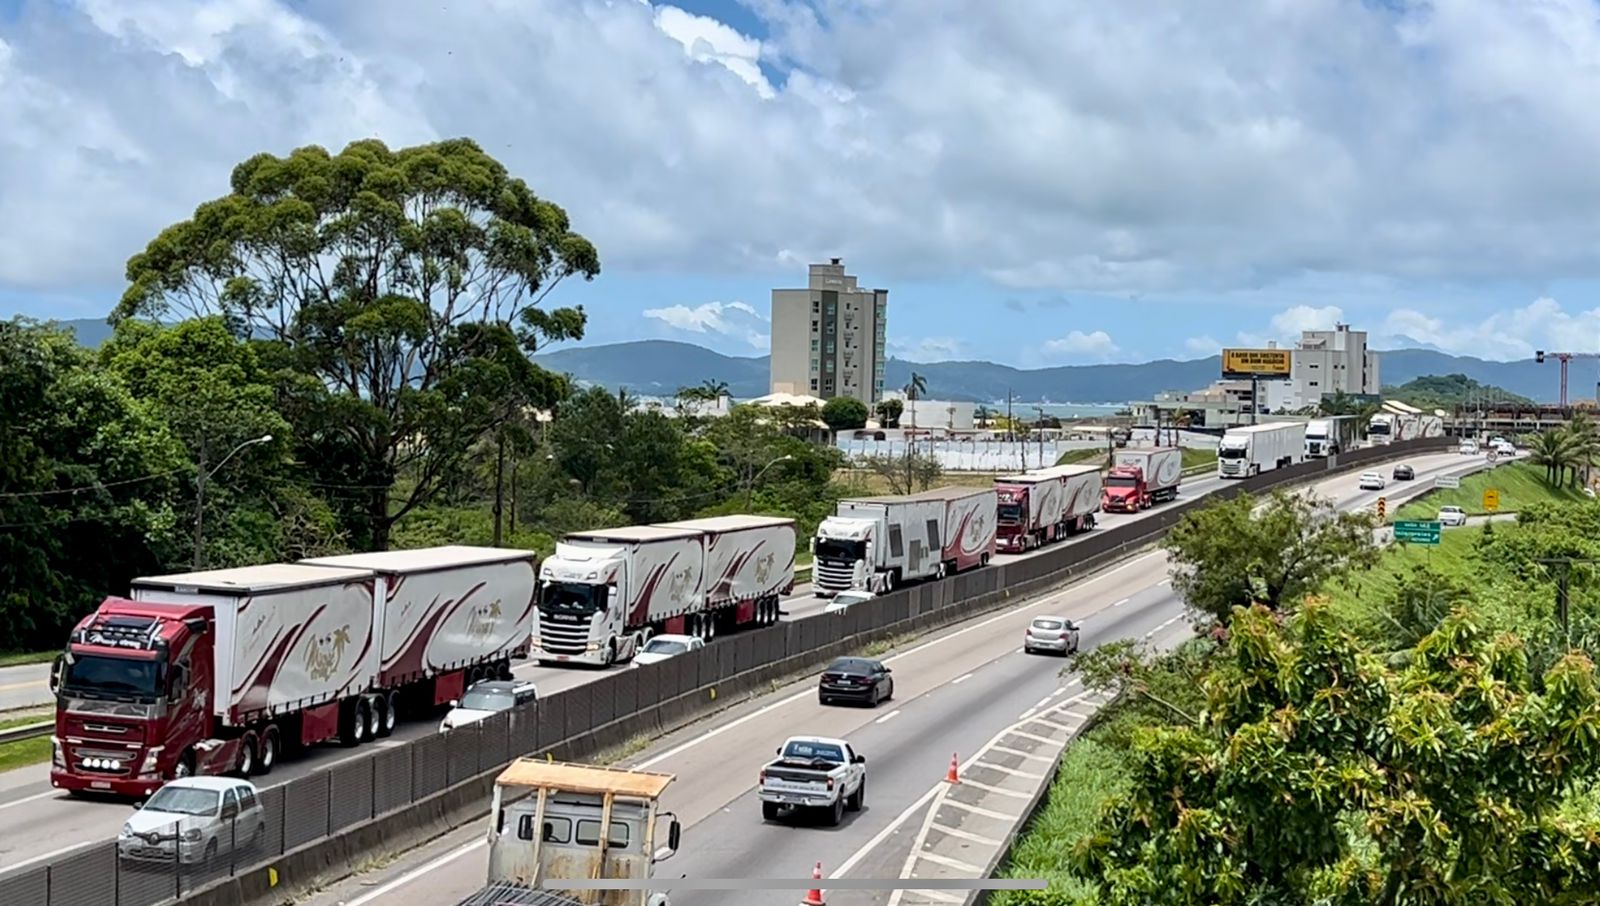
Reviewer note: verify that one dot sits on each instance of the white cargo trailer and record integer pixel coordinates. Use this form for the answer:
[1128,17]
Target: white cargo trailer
[1253,449]
[1332,436]
[604,593]
[876,543]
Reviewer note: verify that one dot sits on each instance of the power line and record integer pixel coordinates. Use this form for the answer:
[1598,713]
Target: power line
[97,486]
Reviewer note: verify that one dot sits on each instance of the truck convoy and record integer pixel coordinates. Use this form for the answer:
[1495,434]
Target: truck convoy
[1332,436]
[543,823]
[604,593]
[1253,449]
[1398,421]
[1139,479]
[876,543]
[220,671]
[1042,506]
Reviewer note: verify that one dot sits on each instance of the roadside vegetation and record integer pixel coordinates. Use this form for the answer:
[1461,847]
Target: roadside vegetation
[24,752]
[1334,729]
[1520,484]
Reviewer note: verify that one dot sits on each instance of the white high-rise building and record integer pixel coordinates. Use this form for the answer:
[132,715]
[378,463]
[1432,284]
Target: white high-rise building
[1328,361]
[828,339]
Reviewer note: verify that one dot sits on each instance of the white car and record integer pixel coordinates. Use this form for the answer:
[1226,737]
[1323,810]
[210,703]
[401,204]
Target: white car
[1452,515]
[194,818]
[845,600]
[1469,448]
[662,647]
[1372,481]
[486,698]
[1505,448]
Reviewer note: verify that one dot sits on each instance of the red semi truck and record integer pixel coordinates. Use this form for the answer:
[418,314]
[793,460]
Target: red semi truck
[222,671]
[1046,505]
[1139,479]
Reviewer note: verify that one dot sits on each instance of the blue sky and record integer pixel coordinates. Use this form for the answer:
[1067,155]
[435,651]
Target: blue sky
[1037,182]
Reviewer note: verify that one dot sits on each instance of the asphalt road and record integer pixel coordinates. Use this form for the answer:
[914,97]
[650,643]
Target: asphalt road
[953,693]
[38,823]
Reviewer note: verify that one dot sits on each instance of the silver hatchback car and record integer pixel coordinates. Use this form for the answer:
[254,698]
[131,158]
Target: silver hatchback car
[1057,634]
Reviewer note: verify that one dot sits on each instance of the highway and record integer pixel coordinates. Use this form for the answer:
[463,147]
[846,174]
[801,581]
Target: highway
[38,823]
[955,691]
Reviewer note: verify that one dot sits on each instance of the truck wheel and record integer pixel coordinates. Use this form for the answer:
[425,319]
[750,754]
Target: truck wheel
[185,766]
[859,797]
[247,756]
[940,571]
[350,724]
[269,752]
[769,811]
[388,714]
[836,812]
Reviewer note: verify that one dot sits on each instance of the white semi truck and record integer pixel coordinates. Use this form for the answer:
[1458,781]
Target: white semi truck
[876,543]
[1333,435]
[605,593]
[1399,422]
[542,824]
[1252,449]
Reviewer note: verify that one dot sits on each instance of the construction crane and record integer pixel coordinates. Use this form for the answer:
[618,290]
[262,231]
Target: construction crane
[1563,358]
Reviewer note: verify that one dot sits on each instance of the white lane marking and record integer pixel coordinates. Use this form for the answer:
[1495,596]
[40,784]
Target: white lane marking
[878,838]
[1029,713]
[948,862]
[1152,633]
[968,781]
[34,798]
[976,810]
[888,717]
[1122,602]
[1033,736]
[1059,726]
[416,873]
[51,855]
[1021,754]
[1012,771]
[961,679]
[714,732]
[1045,701]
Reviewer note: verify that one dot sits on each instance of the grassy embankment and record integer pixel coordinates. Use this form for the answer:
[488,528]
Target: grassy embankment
[18,658]
[1519,484]
[25,751]
[1097,766]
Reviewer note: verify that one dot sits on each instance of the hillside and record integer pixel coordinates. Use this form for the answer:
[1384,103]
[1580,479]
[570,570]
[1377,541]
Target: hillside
[1448,391]
[660,367]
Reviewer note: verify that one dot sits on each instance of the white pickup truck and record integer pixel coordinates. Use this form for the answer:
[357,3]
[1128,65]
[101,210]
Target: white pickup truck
[816,773]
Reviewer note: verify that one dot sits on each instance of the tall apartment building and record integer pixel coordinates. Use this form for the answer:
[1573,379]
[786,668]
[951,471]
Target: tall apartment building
[827,339]
[1328,361]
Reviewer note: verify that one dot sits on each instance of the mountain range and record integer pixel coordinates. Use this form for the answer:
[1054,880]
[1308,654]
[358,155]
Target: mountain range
[660,367]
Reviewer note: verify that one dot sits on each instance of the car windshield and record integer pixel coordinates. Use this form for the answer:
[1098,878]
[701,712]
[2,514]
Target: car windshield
[802,750]
[184,800]
[1046,624]
[93,674]
[1450,509]
[665,646]
[487,700]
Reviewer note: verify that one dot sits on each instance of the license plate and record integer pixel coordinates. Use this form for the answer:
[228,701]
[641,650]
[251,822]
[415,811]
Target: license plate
[100,784]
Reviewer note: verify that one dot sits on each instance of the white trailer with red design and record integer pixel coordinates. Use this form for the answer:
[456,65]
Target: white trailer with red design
[876,543]
[1046,505]
[604,593]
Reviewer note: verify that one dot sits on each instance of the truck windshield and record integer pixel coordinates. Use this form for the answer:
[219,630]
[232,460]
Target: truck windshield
[813,751]
[572,598]
[836,549]
[94,675]
[1378,428]
[1121,481]
[1231,452]
[1009,513]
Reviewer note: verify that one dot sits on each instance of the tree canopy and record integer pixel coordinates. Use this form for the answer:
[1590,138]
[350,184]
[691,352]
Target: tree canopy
[845,413]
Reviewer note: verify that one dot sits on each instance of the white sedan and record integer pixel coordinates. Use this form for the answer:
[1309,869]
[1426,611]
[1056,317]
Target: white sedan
[1372,481]
[662,647]
[1452,515]
[845,600]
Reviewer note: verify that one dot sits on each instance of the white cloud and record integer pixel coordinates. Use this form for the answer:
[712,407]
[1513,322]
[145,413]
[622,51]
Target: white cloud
[1079,345]
[1215,146]
[731,320]
[1505,335]
[1203,345]
[926,349]
[1292,322]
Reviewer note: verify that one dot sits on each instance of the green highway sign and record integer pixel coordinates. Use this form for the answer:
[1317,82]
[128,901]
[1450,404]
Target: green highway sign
[1417,532]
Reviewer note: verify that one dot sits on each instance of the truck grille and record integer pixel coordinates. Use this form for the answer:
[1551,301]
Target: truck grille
[563,638]
[98,761]
[1233,468]
[831,576]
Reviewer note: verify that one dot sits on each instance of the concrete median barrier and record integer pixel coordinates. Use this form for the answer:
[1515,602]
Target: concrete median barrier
[444,780]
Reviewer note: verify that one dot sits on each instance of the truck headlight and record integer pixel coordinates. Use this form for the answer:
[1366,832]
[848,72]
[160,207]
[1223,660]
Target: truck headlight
[150,759]
[58,756]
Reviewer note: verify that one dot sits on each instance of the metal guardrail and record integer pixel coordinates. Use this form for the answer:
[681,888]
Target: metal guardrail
[26,731]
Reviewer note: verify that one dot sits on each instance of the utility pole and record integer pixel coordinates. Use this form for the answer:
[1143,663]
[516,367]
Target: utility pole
[202,477]
[1563,599]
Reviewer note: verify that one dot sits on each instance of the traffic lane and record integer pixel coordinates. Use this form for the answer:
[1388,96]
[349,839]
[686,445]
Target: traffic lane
[24,686]
[717,762]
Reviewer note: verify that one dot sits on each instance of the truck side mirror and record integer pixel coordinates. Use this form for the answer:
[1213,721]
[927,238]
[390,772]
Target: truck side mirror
[674,835]
[55,673]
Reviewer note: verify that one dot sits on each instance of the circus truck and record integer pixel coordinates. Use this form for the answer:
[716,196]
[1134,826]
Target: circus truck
[876,543]
[606,592]
[1046,505]
[1139,479]
[1397,422]
[223,671]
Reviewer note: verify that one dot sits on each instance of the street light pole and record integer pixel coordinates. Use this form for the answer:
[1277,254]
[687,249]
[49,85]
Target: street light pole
[201,477]
[750,486]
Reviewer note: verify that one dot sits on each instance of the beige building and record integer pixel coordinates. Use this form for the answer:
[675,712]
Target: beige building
[827,339]
[1329,361]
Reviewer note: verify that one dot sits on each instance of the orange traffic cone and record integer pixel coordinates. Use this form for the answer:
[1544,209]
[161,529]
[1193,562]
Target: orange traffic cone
[953,775]
[814,895]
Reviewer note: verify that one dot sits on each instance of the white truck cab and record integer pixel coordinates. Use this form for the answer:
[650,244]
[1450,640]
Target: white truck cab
[545,825]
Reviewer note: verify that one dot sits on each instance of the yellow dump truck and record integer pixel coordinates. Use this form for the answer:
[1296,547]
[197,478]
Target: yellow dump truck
[545,828]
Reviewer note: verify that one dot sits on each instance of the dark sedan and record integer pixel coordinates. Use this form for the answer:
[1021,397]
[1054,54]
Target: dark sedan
[855,679]
[1403,472]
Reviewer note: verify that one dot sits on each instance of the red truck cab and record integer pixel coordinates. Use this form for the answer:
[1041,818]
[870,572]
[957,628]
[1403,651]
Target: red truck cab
[1011,517]
[1125,491]
[131,699]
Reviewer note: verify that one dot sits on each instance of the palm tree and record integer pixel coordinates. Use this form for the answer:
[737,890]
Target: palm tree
[914,389]
[1584,437]
[1554,451]
[713,390]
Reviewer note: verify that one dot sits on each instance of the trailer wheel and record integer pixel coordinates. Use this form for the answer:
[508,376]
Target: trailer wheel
[940,571]
[185,766]
[269,752]
[247,756]
[388,714]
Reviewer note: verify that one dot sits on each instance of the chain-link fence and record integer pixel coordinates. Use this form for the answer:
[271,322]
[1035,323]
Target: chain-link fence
[145,866]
